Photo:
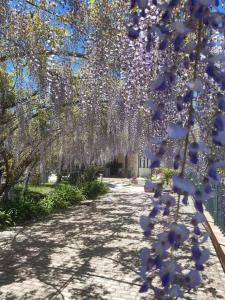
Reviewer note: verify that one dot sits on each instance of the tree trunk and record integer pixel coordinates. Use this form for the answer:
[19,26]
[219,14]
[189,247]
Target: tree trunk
[26,181]
[126,167]
[43,172]
[5,193]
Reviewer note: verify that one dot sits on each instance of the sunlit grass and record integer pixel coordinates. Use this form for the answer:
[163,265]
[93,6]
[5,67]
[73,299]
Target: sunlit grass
[43,189]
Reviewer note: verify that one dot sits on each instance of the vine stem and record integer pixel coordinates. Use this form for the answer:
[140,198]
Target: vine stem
[191,110]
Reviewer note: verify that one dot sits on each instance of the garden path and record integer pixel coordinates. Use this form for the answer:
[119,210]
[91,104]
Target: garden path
[88,252]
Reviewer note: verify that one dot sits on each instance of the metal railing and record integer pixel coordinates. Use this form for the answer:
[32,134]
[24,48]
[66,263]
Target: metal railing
[216,206]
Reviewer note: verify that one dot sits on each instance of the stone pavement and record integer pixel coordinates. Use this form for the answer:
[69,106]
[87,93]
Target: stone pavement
[88,252]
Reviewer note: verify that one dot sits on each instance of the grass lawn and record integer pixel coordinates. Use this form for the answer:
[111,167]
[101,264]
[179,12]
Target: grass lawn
[43,189]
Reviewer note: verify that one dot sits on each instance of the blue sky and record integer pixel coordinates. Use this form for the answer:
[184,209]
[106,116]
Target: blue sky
[80,45]
[222,6]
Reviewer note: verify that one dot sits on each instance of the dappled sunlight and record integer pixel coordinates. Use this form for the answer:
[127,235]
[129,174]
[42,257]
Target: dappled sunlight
[87,252]
[101,240]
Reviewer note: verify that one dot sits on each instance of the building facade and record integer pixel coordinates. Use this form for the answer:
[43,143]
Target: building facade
[130,165]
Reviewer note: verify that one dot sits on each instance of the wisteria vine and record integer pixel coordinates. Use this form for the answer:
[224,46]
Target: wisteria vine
[185,31]
[153,75]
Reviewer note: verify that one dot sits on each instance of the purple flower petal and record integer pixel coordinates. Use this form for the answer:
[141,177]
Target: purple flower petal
[183,184]
[213,175]
[219,122]
[178,42]
[133,34]
[162,239]
[144,288]
[185,200]
[154,212]
[150,155]
[155,164]
[210,70]
[193,157]
[176,292]
[168,200]
[197,218]
[163,45]
[159,84]
[221,102]
[204,256]
[150,185]
[166,279]
[199,206]
[197,230]
[219,138]
[193,279]
[176,131]
[145,222]
[219,164]
[158,262]
[196,252]
[171,237]
[166,211]
[142,4]
[173,3]
[144,255]
[156,116]
[150,104]
[176,165]
[132,4]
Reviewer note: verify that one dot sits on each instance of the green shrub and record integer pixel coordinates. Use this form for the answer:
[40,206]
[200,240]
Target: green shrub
[5,219]
[168,174]
[23,209]
[35,204]
[91,173]
[94,188]
[61,197]
[30,206]
[46,206]
[70,193]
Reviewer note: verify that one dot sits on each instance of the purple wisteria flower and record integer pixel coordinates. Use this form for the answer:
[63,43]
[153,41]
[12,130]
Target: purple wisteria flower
[183,185]
[133,33]
[159,84]
[150,185]
[213,175]
[168,271]
[197,219]
[146,224]
[188,108]
[193,279]
[160,250]
[155,159]
[221,102]
[200,256]
[176,131]
[175,292]
[145,262]
[167,199]
[178,234]
[142,4]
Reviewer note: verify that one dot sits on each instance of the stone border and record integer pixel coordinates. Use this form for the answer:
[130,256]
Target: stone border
[217,237]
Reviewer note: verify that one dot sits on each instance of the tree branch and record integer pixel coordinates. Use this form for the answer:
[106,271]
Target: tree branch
[48,53]
[44,9]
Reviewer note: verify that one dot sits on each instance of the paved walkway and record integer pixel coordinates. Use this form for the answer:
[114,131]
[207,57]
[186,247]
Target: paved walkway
[89,252]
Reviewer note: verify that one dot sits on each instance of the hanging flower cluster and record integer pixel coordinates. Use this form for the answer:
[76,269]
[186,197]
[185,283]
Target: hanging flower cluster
[183,31]
[116,102]
[105,109]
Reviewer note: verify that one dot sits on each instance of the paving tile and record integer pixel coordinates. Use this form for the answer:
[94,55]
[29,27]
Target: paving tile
[88,252]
